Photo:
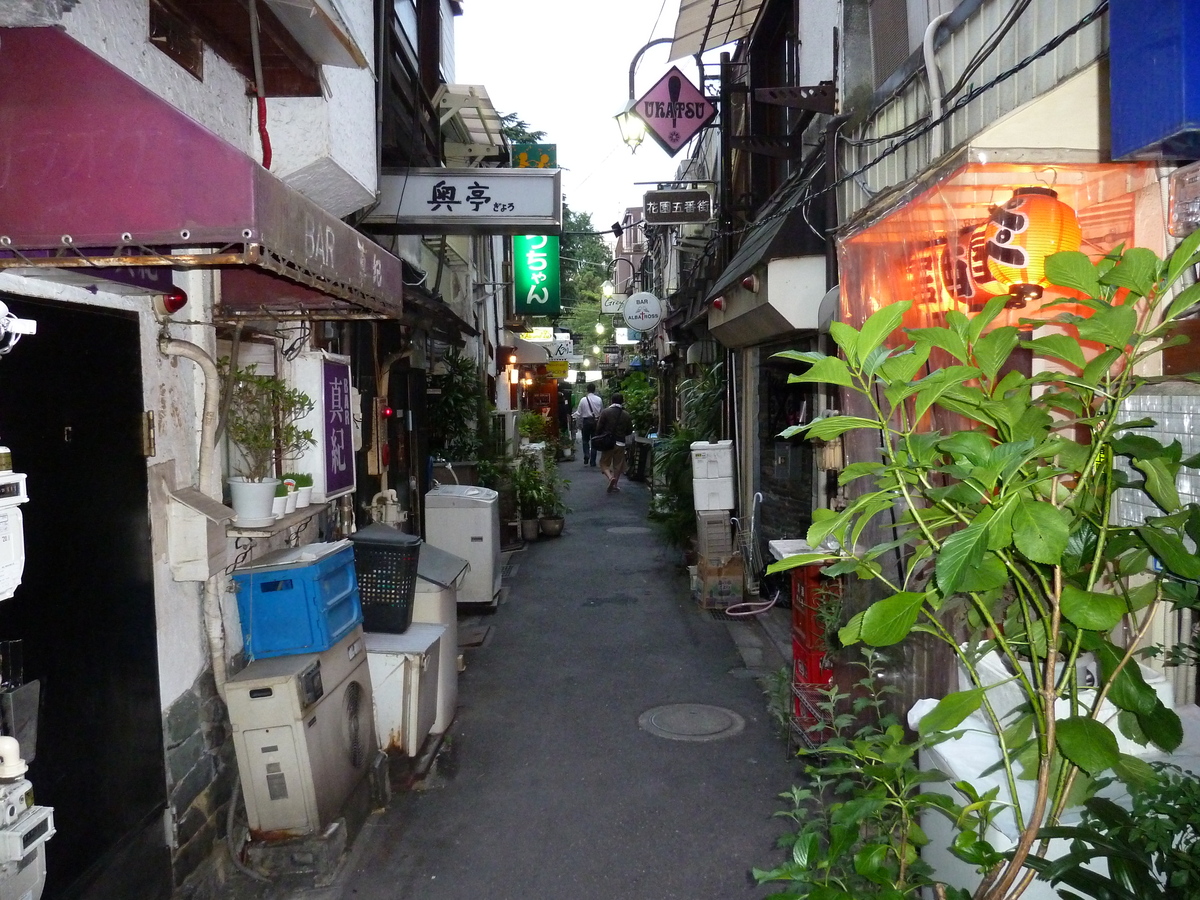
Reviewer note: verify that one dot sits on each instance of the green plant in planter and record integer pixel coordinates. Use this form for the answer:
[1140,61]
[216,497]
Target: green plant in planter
[303,480]
[1004,529]
[554,505]
[530,486]
[281,489]
[262,413]
[456,405]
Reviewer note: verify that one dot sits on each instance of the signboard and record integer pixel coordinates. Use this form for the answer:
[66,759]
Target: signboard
[560,350]
[557,368]
[608,349]
[538,334]
[581,377]
[535,156]
[469,201]
[642,311]
[674,110]
[326,379]
[612,306]
[628,336]
[535,274]
[682,207]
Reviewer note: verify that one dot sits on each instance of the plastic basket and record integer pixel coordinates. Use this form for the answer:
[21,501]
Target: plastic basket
[385,561]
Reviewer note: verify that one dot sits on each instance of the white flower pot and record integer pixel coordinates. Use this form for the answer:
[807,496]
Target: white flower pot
[252,501]
[278,507]
[291,499]
[303,496]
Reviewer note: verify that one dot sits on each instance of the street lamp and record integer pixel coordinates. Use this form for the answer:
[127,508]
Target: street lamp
[633,128]
[599,328]
[633,274]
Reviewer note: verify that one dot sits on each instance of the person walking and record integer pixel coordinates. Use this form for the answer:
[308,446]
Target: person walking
[589,408]
[616,421]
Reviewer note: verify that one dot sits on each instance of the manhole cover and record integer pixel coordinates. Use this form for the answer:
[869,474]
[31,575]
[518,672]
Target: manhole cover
[691,722]
[628,529]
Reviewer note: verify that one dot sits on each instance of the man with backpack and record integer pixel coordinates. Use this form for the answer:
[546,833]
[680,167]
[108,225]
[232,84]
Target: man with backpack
[614,421]
[587,411]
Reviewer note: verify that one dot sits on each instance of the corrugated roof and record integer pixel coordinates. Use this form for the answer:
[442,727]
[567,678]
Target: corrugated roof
[704,24]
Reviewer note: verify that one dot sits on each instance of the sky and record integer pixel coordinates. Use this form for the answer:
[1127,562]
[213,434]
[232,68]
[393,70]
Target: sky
[563,68]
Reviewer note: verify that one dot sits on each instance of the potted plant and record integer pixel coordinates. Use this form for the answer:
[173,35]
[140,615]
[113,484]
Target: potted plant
[304,489]
[530,486]
[1003,532]
[262,413]
[280,500]
[554,508]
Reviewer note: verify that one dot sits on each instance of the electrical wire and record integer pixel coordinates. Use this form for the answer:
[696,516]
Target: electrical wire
[989,46]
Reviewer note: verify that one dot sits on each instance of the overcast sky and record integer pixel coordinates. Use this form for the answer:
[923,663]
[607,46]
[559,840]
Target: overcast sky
[564,69]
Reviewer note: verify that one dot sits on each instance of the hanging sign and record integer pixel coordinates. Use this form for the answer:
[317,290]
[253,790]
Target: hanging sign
[469,201]
[611,306]
[535,156]
[557,368]
[535,275]
[674,111]
[683,207]
[642,311]
[538,334]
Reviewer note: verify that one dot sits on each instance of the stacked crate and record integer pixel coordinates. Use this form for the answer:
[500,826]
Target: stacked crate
[810,668]
[720,576]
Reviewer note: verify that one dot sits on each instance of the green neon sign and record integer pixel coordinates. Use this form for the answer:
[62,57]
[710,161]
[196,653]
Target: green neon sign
[535,275]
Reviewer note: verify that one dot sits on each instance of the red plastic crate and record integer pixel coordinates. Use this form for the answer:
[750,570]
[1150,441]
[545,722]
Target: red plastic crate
[809,667]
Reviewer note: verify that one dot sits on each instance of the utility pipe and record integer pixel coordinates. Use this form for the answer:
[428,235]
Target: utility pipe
[209,484]
[934,79]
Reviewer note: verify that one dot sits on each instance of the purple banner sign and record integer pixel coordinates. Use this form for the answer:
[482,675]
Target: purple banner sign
[338,445]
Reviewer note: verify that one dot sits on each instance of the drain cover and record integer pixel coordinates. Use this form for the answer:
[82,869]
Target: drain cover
[691,722]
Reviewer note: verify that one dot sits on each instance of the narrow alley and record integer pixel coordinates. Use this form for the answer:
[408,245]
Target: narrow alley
[552,782]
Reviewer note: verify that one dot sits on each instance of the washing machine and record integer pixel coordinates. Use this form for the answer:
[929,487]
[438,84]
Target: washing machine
[304,734]
[464,519]
[404,681]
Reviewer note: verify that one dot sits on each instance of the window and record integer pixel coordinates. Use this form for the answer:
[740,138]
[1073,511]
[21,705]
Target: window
[177,38]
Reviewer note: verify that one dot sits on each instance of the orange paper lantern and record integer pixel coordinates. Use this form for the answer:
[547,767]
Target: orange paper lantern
[1022,233]
[965,267]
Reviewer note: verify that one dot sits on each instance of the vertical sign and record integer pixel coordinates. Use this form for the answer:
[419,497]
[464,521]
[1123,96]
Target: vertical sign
[339,437]
[535,275]
[535,257]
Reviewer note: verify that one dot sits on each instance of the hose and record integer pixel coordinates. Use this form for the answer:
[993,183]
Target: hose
[235,852]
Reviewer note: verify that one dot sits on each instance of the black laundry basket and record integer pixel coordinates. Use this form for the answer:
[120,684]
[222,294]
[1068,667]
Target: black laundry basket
[385,561]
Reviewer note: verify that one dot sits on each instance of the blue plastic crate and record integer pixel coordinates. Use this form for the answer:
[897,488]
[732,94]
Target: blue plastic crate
[298,600]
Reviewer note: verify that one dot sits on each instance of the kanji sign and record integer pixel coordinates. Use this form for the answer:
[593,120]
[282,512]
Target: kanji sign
[535,275]
[470,201]
[677,207]
[674,110]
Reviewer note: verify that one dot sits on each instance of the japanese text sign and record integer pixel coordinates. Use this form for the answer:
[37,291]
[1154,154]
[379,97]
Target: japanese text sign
[674,111]
[338,443]
[470,201]
[677,207]
[535,275]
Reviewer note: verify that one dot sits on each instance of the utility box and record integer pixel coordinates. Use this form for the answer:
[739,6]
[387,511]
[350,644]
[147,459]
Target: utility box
[712,475]
[196,540]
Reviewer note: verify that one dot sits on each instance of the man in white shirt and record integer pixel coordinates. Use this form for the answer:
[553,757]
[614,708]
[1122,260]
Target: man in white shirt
[585,414]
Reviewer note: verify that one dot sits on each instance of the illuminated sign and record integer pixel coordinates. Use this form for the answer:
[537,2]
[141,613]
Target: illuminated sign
[469,201]
[535,275]
[674,111]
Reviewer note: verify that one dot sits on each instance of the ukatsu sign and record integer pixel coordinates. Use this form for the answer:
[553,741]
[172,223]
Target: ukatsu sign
[674,110]
[535,275]
[642,312]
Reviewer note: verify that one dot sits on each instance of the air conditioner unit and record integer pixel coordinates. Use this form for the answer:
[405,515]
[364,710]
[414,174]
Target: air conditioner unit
[304,735]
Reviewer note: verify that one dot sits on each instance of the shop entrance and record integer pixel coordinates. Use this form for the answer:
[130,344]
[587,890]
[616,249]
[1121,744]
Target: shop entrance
[70,411]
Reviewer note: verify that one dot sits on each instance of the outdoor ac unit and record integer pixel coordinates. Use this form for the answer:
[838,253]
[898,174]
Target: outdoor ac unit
[304,734]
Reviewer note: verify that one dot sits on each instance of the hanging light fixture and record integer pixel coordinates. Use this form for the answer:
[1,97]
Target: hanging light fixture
[1021,234]
[965,267]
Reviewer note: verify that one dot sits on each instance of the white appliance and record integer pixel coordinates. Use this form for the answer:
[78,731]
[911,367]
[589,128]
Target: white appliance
[404,679]
[12,532]
[24,829]
[435,602]
[465,520]
[304,735]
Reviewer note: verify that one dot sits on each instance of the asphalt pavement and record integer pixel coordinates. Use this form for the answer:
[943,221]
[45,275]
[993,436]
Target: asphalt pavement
[612,739]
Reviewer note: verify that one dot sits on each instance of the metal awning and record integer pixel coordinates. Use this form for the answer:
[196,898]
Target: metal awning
[320,29]
[471,127]
[705,24]
[98,171]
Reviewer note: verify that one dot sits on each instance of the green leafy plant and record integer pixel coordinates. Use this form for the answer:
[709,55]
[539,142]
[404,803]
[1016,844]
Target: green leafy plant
[455,407]
[530,486]
[303,480]
[1003,528]
[858,812]
[554,505]
[261,418]
[281,489]
[1151,850]
[640,396]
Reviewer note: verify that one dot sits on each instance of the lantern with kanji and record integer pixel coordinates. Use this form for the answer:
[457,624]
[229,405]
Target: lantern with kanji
[1022,233]
[965,267]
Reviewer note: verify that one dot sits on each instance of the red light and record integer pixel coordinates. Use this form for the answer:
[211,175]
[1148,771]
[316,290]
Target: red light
[750,283]
[171,302]
[387,412]
[719,303]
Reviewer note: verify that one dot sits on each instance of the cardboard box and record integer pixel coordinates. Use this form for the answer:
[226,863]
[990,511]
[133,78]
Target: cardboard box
[722,582]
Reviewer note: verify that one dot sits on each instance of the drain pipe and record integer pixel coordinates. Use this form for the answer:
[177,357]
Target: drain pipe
[209,485]
[934,80]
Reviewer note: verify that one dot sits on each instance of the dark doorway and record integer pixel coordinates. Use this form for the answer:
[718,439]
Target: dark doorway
[71,411]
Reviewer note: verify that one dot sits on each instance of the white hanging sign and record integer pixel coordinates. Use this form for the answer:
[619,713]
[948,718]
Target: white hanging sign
[642,311]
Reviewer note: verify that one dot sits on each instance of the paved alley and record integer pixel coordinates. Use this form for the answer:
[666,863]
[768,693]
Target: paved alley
[547,785]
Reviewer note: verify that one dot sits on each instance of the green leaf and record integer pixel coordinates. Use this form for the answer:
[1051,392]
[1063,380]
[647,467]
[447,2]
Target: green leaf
[937,384]
[1137,270]
[829,370]
[880,325]
[1039,531]
[962,550]
[1170,550]
[858,470]
[1110,325]
[1087,744]
[1182,258]
[988,575]
[1163,727]
[1091,610]
[1058,346]
[805,356]
[871,863]
[903,367]
[1072,269]
[944,338]
[1135,772]
[889,621]
[799,559]
[831,427]
[852,632]
[846,337]
[993,349]
[1099,366]
[1183,301]
[1160,482]
[950,711]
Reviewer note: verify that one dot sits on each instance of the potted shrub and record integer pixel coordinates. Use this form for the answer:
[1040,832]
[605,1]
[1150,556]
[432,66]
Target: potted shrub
[530,486]
[304,489]
[554,508]
[279,502]
[261,419]
[1002,532]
